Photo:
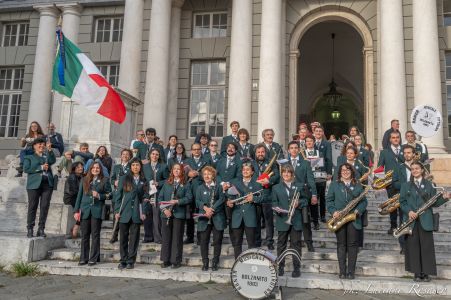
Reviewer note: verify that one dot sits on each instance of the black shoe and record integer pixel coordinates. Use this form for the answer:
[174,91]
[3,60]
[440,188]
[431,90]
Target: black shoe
[146,241]
[296,273]
[92,263]
[390,231]
[113,239]
[82,263]
[402,251]
[417,278]
[121,266]
[342,276]
[323,220]
[188,241]
[426,278]
[176,266]
[41,232]
[205,266]
[29,233]
[130,266]
[165,265]
[281,271]
[350,276]
[19,174]
[215,266]
[270,247]
[315,226]
[310,247]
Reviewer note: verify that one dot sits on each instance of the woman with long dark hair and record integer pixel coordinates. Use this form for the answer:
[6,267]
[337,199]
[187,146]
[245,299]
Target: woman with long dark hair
[95,188]
[103,157]
[420,251]
[71,187]
[341,192]
[130,209]
[34,132]
[176,194]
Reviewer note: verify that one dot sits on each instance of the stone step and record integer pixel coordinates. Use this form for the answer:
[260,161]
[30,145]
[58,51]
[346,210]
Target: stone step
[307,280]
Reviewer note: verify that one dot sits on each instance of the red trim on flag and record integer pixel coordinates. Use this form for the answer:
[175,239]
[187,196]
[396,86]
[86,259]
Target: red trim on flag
[112,106]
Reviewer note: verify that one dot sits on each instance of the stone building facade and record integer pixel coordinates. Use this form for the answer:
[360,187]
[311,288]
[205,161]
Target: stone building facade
[192,65]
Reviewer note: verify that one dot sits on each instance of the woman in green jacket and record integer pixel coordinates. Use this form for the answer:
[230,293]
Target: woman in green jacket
[420,252]
[94,190]
[210,202]
[130,209]
[341,192]
[176,193]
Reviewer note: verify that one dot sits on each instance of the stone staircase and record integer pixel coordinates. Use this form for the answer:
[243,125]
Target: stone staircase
[379,258]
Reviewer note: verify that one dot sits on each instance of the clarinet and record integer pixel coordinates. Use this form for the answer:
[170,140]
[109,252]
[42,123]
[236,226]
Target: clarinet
[212,199]
[153,198]
[172,197]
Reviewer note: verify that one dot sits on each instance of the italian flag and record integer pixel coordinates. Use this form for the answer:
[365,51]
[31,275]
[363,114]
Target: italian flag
[75,76]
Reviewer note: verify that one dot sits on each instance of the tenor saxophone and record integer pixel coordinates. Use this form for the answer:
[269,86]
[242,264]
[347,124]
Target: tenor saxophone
[346,215]
[382,183]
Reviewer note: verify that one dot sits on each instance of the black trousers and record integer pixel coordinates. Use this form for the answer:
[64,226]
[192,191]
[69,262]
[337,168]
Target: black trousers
[129,241]
[269,225]
[295,243]
[237,238]
[172,240]
[420,251]
[205,240]
[190,223]
[258,229]
[307,231]
[156,224]
[40,196]
[90,239]
[321,206]
[148,225]
[347,247]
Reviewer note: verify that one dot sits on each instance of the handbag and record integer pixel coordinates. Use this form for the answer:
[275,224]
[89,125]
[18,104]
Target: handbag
[55,183]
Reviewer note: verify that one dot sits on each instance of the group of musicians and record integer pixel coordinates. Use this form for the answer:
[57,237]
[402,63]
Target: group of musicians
[240,186]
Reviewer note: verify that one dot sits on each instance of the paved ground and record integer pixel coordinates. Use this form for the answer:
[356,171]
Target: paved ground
[77,287]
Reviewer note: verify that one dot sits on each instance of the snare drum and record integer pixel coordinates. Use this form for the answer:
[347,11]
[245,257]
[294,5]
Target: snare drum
[254,273]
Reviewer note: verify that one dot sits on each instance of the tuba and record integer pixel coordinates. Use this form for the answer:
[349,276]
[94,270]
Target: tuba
[382,183]
[389,206]
[345,214]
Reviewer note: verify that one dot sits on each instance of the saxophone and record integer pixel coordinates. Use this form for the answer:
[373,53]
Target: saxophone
[382,183]
[345,214]
[405,228]
[389,206]
[293,204]
[367,174]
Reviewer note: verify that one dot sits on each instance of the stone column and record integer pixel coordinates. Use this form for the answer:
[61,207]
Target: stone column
[240,74]
[426,64]
[293,92]
[71,23]
[271,113]
[369,93]
[392,98]
[171,125]
[130,65]
[40,96]
[156,93]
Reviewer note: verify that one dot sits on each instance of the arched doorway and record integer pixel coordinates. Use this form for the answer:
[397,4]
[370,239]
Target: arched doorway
[310,71]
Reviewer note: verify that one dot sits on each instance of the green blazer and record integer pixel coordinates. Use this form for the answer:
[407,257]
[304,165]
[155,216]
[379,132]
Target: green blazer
[161,174]
[338,197]
[276,149]
[198,180]
[304,174]
[325,150]
[399,176]
[364,156]
[389,159]
[212,160]
[410,200]
[280,198]
[203,197]
[90,205]
[245,212]
[173,161]
[118,171]
[182,193]
[32,166]
[143,150]
[132,202]
[225,174]
[246,151]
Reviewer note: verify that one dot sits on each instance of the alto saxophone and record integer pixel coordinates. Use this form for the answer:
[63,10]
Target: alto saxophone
[405,228]
[345,214]
[293,204]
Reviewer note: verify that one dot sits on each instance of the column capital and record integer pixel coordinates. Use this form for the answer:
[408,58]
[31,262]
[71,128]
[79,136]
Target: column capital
[47,10]
[178,3]
[295,53]
[73,8]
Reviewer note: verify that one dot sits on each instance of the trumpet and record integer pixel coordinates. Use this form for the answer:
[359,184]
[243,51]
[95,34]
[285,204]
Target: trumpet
[382,183]
[389,206]
[242,200]
[293,204]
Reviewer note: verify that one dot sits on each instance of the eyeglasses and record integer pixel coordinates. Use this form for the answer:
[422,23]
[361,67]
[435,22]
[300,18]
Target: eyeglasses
[195,149]
[213,145]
